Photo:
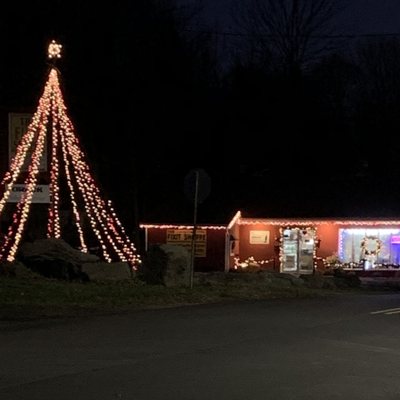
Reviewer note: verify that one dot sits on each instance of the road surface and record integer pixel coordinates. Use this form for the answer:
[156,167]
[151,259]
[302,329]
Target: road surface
[341,347]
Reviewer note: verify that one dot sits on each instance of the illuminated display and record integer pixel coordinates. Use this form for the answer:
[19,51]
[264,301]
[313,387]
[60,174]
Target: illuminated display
[51,122]
[369,248]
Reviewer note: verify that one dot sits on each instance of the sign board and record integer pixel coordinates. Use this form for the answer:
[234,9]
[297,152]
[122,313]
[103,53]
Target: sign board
[259,237]
[183,237]
[40,195]
[17,126]
[395,239]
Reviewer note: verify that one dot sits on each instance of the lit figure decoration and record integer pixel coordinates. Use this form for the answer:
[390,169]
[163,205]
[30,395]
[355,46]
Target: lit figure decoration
[68,169]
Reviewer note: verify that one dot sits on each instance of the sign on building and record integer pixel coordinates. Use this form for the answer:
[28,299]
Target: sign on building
[41,193]
[17,126]
[183,237]
[259,237]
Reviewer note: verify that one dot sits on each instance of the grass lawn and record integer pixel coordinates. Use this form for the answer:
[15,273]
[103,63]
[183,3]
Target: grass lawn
[29,298]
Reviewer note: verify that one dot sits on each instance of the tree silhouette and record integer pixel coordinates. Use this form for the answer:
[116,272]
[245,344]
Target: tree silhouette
[285,35]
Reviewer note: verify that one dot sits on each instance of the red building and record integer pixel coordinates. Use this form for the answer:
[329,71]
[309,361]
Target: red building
[211,245]
[302,245]
[298,246]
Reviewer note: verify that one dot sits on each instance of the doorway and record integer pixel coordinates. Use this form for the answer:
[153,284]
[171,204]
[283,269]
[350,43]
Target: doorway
[298,250]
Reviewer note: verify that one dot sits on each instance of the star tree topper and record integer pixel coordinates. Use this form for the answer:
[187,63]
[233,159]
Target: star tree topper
[54,50]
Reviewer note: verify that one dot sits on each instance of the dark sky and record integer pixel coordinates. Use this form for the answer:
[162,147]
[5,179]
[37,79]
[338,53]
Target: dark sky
[120,115]
[358,16]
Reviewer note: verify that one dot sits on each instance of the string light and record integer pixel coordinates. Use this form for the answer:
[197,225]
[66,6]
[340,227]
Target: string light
[53,226]
[54,50]
[307,222]
[171,226]
[235,219]
[84,194]
[250,262]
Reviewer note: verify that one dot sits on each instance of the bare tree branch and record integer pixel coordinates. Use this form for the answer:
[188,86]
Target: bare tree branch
[291,33]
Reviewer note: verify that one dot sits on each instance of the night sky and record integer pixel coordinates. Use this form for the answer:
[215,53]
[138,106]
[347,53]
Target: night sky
[358,16]
[149,107]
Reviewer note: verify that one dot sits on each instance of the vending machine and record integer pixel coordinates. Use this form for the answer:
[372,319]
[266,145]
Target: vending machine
[298,249]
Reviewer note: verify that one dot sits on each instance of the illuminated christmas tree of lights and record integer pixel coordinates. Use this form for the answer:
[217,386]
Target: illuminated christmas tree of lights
[51,123]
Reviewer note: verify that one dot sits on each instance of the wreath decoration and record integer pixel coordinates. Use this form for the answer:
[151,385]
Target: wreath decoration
[367,251]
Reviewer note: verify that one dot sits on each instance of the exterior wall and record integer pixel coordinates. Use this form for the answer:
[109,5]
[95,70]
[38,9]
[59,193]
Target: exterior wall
[260,252]
[215,248]
[234,244]
[328,234]
[247,240]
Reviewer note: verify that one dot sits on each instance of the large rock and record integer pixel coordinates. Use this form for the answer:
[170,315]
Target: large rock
[177,272]
[165,264]
[54,258]
[17,269]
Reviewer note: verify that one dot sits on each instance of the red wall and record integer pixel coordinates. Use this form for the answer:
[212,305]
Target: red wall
[215,254]
[260,251]
[328,234]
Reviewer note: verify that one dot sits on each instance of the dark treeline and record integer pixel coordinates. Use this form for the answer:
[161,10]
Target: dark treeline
[291,121]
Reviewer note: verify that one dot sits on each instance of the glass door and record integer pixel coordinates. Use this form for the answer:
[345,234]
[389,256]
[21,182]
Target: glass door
[290,250]
[306,251]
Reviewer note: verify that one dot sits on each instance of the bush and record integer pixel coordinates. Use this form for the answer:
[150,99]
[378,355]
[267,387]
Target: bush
[344,279]
[153,267]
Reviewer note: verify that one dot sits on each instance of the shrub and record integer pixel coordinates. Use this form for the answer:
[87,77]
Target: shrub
[153,268]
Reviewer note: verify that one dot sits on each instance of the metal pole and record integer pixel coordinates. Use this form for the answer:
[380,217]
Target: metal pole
[196,192]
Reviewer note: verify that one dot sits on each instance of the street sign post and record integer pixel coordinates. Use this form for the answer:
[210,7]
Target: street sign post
[197,188]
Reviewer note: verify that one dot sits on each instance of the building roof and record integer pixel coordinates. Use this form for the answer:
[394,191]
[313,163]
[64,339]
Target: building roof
[179,226]
[239,219]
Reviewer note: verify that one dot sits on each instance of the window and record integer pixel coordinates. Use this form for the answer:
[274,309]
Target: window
[374,246]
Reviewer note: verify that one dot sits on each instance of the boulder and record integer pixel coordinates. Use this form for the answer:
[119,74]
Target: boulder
[54,258]
[18,270]
[165,264]
[22,272]
[177,271]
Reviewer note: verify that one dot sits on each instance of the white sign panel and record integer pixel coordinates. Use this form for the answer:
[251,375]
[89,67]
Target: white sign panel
[40,195]
[183,237]
[259,237]
[17,126]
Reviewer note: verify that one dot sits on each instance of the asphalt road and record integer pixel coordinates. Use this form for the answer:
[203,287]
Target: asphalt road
[342,347]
